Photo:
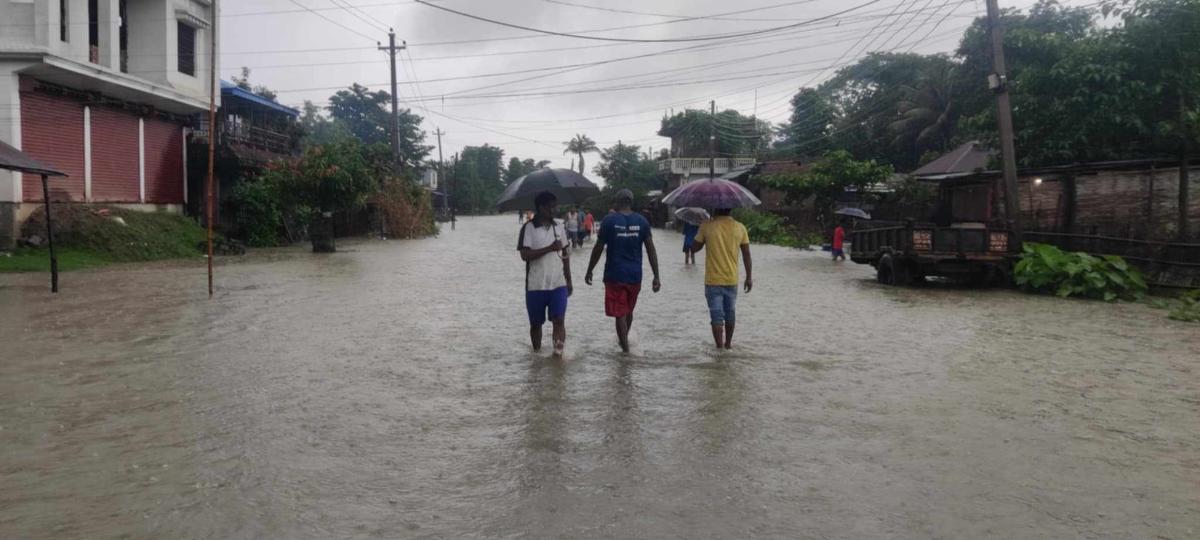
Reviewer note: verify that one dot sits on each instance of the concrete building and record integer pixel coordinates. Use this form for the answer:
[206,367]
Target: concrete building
[104,90]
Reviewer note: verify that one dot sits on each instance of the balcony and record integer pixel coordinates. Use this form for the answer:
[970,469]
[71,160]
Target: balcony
[699,166]
[258,138]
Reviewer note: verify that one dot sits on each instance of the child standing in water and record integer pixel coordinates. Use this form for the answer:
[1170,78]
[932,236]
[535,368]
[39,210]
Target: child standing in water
[689,238]
[839,237]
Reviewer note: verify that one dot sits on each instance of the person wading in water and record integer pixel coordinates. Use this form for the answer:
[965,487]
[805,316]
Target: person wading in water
[545,248]
[624,232]
[725,238]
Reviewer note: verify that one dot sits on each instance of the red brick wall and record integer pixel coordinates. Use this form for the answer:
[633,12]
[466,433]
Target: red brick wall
[164,162]
[52,132]
[114,156]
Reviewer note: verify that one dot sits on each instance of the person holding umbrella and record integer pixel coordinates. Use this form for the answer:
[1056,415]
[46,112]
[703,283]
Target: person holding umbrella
[547,286]
[725,238]
[691,218]
[624,232]
[544,247]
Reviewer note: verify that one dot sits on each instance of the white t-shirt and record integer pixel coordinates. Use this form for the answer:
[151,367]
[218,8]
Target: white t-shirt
[572,222]
[544,273]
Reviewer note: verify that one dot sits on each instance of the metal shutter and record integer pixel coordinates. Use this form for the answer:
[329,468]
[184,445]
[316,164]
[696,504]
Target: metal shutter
[164,162]
[114,156]
[52,132]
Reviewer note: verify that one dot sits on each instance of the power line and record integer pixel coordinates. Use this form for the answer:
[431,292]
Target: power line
[633,40]
[340,25]
[360,15]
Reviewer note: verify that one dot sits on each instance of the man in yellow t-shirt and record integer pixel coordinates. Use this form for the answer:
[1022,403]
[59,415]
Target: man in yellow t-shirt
[725,238]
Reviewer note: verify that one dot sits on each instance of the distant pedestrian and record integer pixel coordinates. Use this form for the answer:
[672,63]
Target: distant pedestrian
[624,233]
[689,238]
[543,246]
[589,225]
[572,225]
[839,237]
[581,231]
[725,238]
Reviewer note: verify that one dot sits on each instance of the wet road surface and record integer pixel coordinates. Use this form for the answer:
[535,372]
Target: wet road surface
[388,391]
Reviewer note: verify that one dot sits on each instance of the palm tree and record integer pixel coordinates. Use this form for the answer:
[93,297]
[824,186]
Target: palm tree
[927,114]
[578,146]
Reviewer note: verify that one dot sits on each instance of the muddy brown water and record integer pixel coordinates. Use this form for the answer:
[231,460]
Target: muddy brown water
[388,391]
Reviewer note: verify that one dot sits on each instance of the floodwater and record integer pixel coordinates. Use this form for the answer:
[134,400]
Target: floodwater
[388,391]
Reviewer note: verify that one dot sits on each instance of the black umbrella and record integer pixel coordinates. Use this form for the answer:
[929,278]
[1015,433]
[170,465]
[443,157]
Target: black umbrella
[568,186]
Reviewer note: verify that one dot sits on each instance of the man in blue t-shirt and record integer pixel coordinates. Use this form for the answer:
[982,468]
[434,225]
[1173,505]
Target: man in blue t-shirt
[624,232]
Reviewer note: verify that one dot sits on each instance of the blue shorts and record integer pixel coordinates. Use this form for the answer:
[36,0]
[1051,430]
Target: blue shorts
[837,252]
[538,302]
[722,302]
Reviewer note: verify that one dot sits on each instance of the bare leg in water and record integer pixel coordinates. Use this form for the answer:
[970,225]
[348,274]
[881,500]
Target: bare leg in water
[718,335]
[729,335]
[535,336]
[560,336]
[623,326]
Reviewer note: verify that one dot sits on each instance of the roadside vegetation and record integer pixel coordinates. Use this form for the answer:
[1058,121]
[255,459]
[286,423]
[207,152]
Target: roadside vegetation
[91,235]
[1046,269]
[346,164]
[1185,307]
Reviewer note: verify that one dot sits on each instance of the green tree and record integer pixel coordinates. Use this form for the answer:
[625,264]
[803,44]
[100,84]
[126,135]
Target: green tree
[625,167]
[580,145]
[477,175]
[243,82]
[1164,51]
[737,135]
[928,117]
[518,167]
[366,115]
[806,133]
[319,129]
[828,178]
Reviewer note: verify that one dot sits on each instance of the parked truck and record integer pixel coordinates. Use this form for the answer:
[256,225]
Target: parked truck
[906,254]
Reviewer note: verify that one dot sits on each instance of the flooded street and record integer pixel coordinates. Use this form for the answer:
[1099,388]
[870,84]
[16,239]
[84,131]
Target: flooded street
[388,391]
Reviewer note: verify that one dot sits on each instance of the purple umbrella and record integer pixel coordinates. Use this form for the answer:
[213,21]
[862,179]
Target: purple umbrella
[712,193]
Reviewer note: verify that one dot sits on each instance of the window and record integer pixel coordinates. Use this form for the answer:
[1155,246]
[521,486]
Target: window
[187,49]
[63,18]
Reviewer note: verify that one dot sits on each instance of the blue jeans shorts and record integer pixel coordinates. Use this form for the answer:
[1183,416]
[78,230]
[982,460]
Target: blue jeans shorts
[722,302]
[537,303]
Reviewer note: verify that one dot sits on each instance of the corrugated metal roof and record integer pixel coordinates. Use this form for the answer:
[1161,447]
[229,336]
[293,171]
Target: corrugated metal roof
[230,89]
[16,160]
[969,157]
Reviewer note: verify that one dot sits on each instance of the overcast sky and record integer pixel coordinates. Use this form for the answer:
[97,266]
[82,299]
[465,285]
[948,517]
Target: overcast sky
[304,56]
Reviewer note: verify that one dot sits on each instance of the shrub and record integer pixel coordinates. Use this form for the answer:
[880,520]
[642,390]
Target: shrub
[1045,268]
[120,235]
[1187,309]
[405,209]
[766,228]
[257,212]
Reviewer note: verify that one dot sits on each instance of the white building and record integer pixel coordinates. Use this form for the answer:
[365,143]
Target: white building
[103,90]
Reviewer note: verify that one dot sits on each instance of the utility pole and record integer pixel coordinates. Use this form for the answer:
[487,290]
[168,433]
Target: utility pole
[212,139]
[712,139]
[442,178]
[998,83]
[391,50]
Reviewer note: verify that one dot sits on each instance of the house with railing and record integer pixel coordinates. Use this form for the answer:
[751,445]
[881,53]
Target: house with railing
[104,90]
[252,131]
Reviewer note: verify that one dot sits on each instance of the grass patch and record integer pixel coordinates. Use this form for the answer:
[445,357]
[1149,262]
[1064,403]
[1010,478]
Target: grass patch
[93,235]
[38,260]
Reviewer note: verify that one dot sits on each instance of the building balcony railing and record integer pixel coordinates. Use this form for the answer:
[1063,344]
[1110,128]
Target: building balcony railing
[700,166]
[248,135]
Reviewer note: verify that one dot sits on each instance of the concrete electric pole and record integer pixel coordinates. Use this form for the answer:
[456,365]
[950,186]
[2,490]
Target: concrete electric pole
[998,82]
[442,178]
[391,50]
[712,139]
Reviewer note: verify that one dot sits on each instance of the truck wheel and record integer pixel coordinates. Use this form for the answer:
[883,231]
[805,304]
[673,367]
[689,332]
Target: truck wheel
[893,272]
[884,271]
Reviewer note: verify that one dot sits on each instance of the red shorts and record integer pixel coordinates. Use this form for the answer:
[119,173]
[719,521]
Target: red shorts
[620,298]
